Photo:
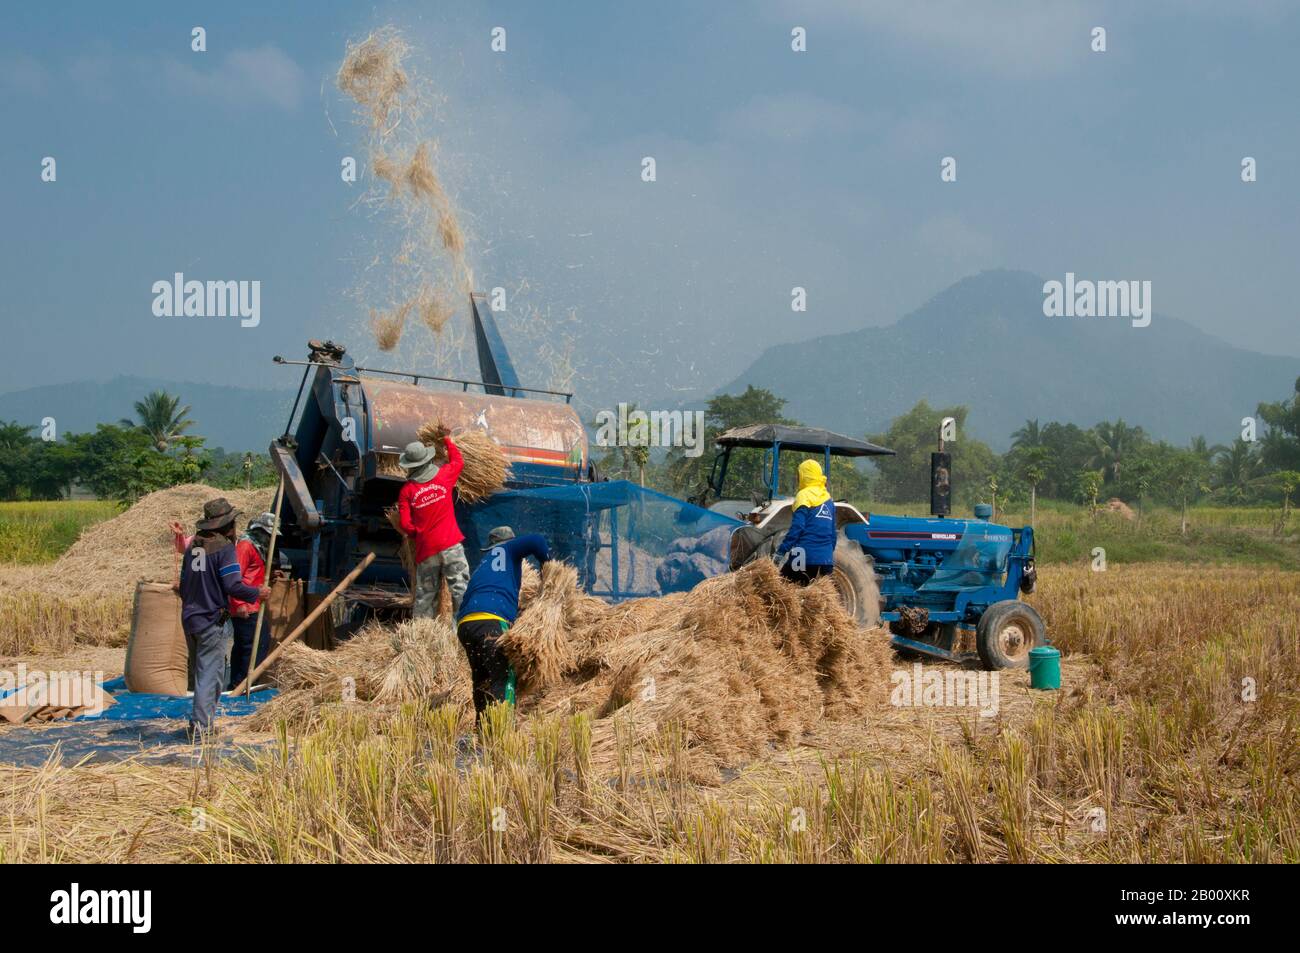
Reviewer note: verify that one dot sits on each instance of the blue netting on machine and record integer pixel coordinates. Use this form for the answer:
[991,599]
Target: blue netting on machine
[626,541]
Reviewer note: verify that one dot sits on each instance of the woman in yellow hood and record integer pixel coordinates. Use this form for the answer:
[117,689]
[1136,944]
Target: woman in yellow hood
[810,540]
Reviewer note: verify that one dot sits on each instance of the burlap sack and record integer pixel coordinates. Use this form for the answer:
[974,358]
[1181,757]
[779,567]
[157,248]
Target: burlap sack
[157,657]
[284,609]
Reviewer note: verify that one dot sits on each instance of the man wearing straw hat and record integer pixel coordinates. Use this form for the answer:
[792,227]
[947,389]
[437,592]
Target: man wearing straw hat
[428,515]
[210,577]
[491,606]
[251,551]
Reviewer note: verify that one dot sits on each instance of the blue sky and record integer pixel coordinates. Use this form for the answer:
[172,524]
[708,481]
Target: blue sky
[775,169]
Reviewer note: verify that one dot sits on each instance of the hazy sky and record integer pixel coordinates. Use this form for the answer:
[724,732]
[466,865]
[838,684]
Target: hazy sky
[775,169]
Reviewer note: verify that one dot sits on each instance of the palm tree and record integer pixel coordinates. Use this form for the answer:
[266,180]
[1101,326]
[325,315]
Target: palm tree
[629,456]
[161,417]
[1115,442]
[14,437]
[1089,485]
[1203,450]
[1031,467]
[1236,468]
[1287,481]
[1027,436]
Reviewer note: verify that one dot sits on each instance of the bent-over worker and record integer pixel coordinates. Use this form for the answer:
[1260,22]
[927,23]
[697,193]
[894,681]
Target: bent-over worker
[490,607]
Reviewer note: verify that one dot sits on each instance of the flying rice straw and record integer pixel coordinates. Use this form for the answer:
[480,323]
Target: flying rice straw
[421,179]
[435,309]
[388,326]
[384,167]
[391,103]
[372,74]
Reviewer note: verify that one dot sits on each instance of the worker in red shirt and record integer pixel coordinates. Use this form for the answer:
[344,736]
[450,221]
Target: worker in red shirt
[251,552]
[427,515]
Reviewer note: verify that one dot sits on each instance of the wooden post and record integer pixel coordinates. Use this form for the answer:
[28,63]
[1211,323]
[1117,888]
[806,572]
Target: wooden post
[268,576]
[305,624]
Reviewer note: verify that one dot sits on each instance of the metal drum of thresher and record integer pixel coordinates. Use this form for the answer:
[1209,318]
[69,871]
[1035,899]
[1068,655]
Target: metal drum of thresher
[543,440]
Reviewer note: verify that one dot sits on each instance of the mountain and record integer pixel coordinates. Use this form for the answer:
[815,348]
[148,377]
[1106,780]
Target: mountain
[985,342]
[235,418]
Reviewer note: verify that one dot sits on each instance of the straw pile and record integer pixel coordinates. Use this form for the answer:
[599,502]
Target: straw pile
[380,668]
[486,467]
[741,662]
[111,557]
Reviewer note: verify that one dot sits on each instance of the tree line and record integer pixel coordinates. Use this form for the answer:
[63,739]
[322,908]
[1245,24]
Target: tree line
[1047,459]
[122,461]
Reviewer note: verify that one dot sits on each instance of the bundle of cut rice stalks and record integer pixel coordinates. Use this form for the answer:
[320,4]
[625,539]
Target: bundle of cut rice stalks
[486,467]
[381,667]
[743,661]
[407,551]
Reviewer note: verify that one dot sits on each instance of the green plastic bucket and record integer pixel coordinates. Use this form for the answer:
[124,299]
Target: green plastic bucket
[1044,668]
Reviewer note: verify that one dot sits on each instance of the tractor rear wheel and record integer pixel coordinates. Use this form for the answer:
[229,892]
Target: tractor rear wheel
[855,578]
[1006,632]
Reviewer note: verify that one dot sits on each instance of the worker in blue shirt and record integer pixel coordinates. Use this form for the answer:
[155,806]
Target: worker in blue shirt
[210,578]
[489,607]
[810,540]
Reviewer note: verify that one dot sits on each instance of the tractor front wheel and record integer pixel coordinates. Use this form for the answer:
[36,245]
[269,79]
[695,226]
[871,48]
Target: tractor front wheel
[1005,634]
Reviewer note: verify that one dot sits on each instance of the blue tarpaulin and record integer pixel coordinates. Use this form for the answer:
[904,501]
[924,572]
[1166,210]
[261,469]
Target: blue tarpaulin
[132,706]
[143,726]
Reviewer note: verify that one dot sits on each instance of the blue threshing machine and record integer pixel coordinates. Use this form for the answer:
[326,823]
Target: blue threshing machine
[338,459]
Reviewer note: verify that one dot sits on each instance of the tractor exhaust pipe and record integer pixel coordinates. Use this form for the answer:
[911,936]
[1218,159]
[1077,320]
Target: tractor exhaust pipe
[941,472]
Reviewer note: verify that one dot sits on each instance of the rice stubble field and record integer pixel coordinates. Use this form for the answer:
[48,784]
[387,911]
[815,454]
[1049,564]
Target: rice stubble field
[1173,738]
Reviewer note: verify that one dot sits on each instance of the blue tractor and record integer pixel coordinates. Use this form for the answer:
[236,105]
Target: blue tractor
[939,583]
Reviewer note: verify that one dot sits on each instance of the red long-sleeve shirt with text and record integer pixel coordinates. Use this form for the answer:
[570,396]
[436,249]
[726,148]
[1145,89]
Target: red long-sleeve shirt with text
[426,508]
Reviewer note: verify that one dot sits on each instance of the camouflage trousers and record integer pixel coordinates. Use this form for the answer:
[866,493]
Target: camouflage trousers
[450,564]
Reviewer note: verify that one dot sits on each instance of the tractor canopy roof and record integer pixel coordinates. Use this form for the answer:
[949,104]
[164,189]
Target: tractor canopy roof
[802,439]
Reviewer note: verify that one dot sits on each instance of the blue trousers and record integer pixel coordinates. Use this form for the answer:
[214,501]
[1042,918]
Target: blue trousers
[210,651]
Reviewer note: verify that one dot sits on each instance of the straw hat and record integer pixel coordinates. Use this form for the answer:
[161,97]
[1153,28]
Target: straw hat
[216,514]
[415,456]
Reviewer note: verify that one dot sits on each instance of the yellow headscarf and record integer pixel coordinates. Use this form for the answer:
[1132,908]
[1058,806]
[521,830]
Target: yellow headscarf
[812,486]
